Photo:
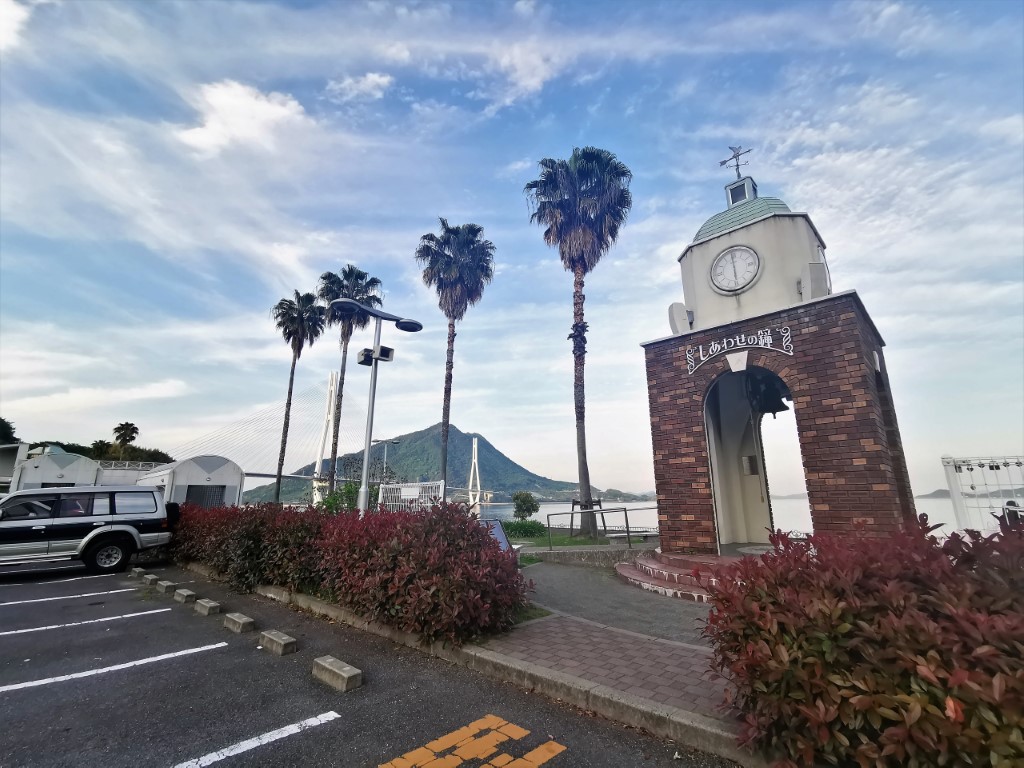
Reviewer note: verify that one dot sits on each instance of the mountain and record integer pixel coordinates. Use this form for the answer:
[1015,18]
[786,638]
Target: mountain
[417,458]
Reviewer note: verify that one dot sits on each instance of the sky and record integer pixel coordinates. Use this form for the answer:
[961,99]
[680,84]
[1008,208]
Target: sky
[170,170]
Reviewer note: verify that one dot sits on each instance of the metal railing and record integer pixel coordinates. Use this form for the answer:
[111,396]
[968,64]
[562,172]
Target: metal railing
[630,532]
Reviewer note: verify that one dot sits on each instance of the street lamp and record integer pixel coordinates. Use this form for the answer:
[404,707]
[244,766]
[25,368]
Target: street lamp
[384,473]
[370,357]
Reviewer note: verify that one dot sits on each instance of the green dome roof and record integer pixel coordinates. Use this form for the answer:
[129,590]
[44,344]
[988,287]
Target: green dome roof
[740,214]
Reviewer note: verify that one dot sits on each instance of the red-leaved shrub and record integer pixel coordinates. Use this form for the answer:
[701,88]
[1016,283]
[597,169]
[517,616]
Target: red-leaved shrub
[437,572]
[899,651]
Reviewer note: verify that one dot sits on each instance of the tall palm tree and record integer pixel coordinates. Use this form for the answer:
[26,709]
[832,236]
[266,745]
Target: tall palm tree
[350,283]
[125,434]
[582,202]
[458,263]
[301,321]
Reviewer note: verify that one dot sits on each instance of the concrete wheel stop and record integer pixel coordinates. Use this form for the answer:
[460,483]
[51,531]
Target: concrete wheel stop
[337,674]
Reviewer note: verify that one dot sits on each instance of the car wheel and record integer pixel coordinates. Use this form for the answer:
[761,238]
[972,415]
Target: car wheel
[108,556]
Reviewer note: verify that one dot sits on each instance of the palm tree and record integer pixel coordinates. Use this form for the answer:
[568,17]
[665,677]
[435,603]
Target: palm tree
[125,434]
[301,321]
[100,448]
[458,263]
[582,202]
[350,283]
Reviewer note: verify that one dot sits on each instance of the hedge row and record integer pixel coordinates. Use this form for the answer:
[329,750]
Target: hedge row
[901,651]
[436,572]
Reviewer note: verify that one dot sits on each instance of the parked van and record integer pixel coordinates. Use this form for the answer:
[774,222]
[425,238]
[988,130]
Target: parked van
[99,525]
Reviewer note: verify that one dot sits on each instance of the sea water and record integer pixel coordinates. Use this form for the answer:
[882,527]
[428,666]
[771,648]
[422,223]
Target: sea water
[789,514]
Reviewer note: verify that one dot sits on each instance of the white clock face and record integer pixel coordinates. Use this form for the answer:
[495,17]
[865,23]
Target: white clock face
[735,269]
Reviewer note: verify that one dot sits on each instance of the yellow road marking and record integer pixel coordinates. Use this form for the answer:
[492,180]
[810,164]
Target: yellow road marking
[477,741]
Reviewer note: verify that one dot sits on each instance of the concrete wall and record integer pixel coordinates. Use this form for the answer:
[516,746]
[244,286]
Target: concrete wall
[849,438]
[786,244]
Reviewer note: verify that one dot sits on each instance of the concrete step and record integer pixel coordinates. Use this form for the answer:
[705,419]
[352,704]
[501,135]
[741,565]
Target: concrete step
[638,578]
[673,574]
[703,563]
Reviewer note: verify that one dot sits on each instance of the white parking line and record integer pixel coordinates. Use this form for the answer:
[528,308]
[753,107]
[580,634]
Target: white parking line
[259,741]
[103,670]
[67,597]
[80,623]
[57,581]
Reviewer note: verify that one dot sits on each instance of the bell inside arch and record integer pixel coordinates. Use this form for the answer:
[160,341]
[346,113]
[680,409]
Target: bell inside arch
[767,393]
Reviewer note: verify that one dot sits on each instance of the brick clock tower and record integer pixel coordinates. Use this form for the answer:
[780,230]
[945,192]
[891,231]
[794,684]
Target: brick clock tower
[760,328]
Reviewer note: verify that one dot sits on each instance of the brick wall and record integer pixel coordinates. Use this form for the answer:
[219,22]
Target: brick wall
[849,438]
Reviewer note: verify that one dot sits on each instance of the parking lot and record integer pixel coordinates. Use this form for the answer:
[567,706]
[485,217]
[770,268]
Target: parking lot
[104,670]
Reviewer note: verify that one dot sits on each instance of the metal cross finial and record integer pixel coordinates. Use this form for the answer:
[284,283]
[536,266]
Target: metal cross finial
[737,152]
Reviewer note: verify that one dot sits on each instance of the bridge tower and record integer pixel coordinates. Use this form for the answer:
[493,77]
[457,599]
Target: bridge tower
[473,486]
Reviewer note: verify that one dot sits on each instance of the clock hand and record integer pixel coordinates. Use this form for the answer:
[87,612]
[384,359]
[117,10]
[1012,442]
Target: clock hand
[735,274]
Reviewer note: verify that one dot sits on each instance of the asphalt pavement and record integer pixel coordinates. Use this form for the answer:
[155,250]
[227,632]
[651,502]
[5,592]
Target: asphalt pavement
[107,671]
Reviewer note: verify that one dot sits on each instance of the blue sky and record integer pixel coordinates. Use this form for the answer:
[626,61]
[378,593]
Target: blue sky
[169,170]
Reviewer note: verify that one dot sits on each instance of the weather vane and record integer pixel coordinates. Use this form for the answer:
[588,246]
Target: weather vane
[737,152]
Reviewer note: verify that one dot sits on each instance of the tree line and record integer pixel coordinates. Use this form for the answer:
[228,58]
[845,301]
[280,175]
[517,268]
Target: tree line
[581,202]
[120,449]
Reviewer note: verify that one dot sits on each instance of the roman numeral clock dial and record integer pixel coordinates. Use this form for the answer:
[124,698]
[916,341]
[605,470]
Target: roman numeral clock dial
[734,269]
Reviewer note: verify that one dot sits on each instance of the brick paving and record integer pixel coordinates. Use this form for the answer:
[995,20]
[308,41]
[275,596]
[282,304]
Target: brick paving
[665,671]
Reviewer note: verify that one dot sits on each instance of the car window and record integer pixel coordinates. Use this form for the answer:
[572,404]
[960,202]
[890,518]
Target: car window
[101,504]
[30,508]
[78,505]
[130,503]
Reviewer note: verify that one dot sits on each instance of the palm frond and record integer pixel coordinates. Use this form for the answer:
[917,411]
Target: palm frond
[458,263]
[301,320]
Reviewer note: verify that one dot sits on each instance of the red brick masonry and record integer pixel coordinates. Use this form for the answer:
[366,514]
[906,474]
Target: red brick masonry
[849,438]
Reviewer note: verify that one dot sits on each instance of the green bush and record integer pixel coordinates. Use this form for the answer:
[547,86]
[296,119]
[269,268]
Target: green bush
[524,529]
[526,505]
[869,651]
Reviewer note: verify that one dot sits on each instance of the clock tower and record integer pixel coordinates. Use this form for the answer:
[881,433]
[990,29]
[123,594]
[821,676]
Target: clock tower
[759,330]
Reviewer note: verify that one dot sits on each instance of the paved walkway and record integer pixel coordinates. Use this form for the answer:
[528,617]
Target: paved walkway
[599,595]
[609,633]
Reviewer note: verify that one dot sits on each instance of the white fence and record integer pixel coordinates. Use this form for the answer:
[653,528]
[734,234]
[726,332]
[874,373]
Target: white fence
[984,488]
[399,496]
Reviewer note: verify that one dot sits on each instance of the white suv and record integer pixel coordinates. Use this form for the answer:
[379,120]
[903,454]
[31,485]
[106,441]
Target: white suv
[100,525]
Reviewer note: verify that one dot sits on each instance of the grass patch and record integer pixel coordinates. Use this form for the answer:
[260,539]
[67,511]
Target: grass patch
[529,612]
[525,560]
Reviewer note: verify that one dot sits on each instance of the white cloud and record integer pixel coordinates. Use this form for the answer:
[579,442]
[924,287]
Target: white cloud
[370,86]
[525,7]
[234,113]
[13,17]
[76,399]
[1009,129]
[514,170]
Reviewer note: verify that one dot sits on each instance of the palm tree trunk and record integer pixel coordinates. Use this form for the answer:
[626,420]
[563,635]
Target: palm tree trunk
[588,520]
[337,415]
[447,408]
[284,431]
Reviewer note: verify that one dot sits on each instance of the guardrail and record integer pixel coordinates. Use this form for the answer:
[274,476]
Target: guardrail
[604,526]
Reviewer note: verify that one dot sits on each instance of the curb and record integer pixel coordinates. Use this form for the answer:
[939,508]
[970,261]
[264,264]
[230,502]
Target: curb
[679,725]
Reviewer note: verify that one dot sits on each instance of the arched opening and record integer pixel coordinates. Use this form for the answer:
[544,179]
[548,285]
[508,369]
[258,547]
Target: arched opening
[734,408]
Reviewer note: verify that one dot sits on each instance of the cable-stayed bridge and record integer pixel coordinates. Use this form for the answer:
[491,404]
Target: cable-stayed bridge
[254,442]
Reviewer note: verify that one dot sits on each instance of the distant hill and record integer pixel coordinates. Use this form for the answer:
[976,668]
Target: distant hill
[417,458]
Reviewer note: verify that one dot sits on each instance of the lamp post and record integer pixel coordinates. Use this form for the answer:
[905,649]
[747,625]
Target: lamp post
[370,357]
[384,472]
